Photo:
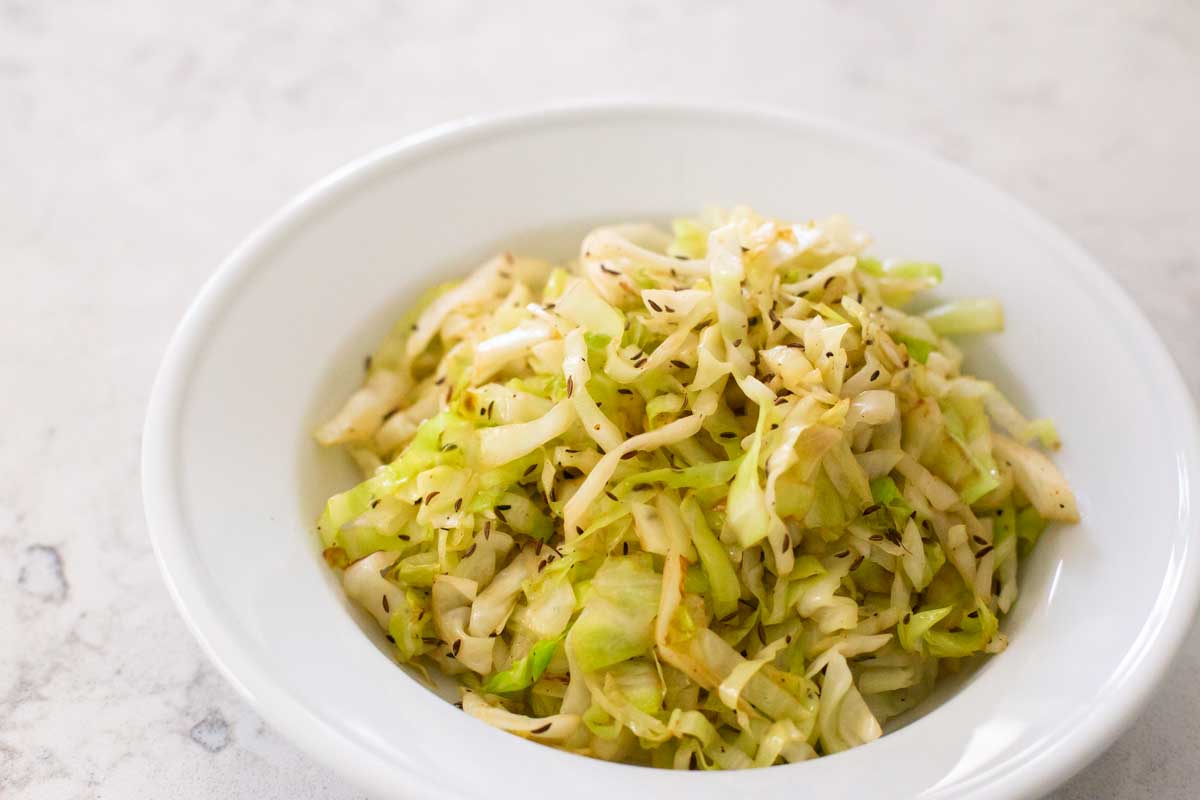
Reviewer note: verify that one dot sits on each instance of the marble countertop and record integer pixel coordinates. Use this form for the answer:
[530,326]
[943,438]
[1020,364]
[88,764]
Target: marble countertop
[140,140]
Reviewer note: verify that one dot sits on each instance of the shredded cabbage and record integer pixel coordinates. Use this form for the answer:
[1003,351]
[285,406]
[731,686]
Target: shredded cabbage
[702,500]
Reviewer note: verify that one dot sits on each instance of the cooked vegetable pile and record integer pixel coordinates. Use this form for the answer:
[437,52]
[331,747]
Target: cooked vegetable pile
[709,500]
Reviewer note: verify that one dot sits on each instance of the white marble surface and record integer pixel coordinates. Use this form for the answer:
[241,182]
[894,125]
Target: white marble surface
[141,139]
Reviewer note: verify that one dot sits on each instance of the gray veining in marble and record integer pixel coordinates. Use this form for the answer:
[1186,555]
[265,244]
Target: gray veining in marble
[140,140]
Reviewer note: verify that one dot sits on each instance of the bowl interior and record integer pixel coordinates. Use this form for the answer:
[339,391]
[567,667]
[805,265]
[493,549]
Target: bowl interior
[234,483]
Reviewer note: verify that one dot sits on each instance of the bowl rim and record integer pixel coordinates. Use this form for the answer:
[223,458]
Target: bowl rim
[1160,638]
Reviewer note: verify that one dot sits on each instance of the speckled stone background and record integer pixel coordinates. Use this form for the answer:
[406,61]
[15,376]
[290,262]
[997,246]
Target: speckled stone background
[141,139]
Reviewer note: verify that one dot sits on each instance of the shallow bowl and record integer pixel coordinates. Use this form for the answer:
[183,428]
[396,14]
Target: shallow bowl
[275,341]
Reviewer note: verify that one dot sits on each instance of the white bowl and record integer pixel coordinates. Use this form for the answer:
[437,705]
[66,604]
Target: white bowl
[233,482]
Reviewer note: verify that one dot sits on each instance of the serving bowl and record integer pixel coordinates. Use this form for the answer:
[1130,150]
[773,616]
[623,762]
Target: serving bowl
[275,341]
